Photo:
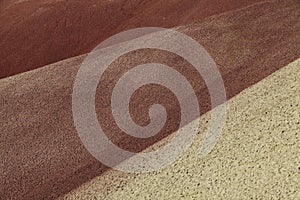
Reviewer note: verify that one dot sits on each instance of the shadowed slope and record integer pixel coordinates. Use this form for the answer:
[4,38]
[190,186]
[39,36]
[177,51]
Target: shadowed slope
[35,33]
[258,153]
[42,156]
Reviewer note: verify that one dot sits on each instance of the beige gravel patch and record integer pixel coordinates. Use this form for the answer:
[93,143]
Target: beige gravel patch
[257,155]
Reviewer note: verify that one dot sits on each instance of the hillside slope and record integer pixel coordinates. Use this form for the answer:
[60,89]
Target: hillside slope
[35,33]
[42,156]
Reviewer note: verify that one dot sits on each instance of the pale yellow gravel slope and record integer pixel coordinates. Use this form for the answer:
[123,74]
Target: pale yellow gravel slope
[257,156]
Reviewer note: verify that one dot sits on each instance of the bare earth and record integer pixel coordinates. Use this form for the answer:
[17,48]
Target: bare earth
[41,154]
[35,33]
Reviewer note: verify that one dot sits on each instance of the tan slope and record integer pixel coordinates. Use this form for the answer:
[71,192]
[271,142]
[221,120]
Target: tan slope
[42,156]
[257,155]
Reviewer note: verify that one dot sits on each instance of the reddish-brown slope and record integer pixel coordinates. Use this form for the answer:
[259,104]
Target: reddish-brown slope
[34,33]
[41,154]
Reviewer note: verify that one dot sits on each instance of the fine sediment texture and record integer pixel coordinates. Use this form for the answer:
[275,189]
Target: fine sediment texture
[35,33]
[257,155]
[41,154]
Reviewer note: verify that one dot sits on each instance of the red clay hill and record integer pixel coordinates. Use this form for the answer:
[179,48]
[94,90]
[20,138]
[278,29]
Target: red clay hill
[35,33]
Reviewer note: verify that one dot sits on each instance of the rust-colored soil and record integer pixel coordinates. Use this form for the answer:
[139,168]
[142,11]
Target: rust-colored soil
[41,154]
[35,33]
